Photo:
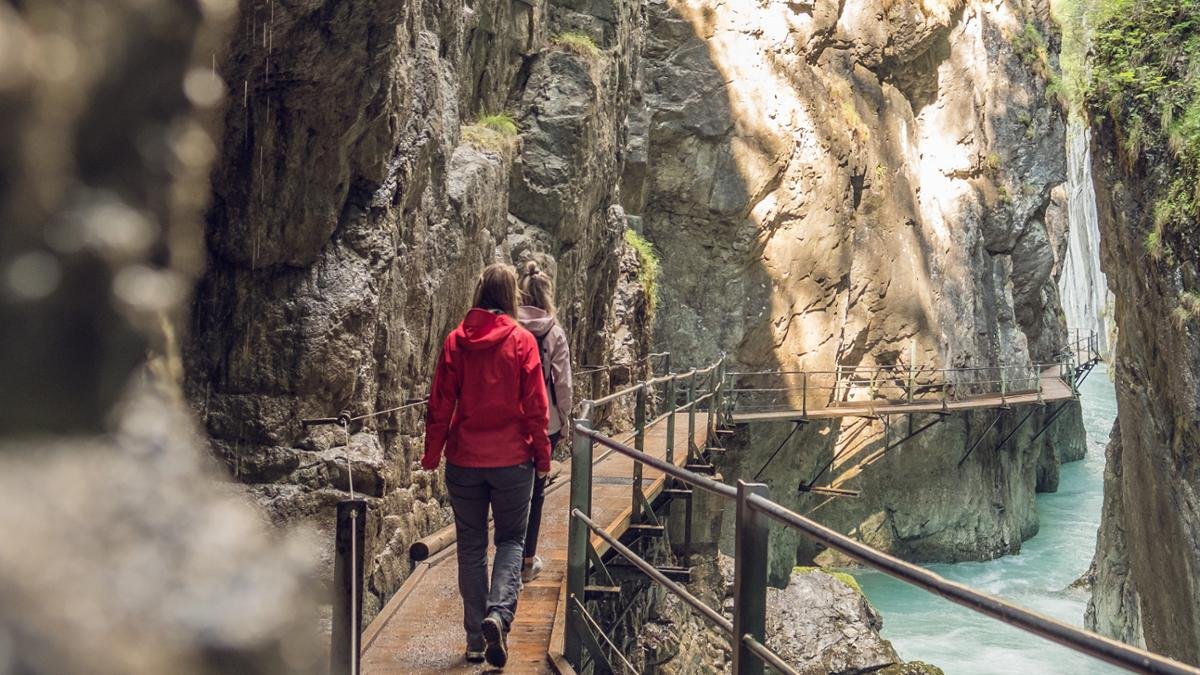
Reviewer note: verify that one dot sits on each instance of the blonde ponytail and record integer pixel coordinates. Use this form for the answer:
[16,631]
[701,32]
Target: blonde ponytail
[536,288]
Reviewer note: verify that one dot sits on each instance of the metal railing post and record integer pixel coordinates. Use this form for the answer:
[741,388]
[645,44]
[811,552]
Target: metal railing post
[717,377]
[804,394]
[672,392]
[691,399]
[1003,387]
[911,376]
[749,580]
[639,443]
[347,586]
[577,538]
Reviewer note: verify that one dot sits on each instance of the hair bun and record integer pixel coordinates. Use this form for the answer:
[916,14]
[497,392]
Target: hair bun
[531,268]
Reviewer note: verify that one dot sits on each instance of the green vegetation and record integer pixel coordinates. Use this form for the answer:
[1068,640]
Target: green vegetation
[500,122]
[843,577]
[577,42]
[649,266]
[1034,51]
[991,163]
[1145,88]
[1187,310]
[496,131]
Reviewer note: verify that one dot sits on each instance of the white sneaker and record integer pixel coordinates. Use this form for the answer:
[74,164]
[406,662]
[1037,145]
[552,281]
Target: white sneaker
[530,570]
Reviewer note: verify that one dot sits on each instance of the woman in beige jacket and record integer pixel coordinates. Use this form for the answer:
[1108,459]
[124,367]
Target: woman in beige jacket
[536,314]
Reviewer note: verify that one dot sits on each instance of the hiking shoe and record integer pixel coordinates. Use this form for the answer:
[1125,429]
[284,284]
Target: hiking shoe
[497,640]
[474,655]
[531,570]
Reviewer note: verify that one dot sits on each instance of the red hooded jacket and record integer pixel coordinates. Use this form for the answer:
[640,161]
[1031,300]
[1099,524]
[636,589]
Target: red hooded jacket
[487,406]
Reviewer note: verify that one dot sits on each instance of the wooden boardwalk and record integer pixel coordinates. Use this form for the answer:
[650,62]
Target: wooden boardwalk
[1053,388]
[420,629]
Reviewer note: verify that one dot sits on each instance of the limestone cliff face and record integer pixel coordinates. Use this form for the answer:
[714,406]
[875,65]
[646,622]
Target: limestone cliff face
[354,203]
[865,183]
[1148,553]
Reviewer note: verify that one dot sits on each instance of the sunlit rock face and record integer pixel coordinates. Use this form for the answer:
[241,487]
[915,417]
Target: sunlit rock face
[355,204]
[122,551]
[865,183]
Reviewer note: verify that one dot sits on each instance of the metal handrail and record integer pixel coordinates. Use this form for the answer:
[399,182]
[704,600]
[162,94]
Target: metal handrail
[751,499]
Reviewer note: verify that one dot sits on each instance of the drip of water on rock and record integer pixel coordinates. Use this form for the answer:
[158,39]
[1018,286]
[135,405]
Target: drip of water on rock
[924,627]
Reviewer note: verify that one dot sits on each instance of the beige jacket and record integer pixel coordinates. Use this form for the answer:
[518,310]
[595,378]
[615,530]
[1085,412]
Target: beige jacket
[558,355]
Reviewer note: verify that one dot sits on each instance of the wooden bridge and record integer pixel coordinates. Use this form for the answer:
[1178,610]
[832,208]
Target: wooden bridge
[420,630]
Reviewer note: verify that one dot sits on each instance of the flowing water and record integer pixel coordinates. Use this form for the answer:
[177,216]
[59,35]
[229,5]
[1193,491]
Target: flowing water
[924,627]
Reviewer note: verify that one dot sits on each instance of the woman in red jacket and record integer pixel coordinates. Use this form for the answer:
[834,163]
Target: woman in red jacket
[488,410]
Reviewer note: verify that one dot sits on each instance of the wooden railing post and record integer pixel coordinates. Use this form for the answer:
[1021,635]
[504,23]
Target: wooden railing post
[577,539]
[1003,386]
[749,580]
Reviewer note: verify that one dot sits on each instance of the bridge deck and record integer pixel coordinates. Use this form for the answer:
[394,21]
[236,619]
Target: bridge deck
[1053,388]
[420,628]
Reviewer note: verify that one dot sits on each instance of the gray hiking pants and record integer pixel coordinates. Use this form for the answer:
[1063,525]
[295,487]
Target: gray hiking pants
[506,491]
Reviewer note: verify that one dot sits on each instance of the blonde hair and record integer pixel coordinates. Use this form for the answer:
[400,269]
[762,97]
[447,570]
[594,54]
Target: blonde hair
[537,289]
[497,289]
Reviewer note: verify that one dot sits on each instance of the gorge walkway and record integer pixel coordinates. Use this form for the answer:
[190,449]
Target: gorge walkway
[616,496]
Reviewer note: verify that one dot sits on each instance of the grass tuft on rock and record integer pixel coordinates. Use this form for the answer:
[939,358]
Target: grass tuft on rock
[649,266]
[497,131]
[577,42]
[843,577]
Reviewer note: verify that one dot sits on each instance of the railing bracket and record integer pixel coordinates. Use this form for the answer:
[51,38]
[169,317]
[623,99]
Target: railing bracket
[591,592]
[648,530]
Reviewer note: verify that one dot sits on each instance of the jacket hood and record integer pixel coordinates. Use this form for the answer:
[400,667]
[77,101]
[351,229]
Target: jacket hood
[483,329]
[535,320]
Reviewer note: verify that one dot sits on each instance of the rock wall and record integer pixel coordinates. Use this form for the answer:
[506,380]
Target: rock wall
[1146,165]
[356,195]
[1148,550]
[865,183]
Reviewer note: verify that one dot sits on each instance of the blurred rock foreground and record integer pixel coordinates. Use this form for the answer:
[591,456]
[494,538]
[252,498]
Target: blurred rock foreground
[121,553]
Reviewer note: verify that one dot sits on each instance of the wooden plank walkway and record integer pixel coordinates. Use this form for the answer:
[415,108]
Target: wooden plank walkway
[1053,388]
[420,629]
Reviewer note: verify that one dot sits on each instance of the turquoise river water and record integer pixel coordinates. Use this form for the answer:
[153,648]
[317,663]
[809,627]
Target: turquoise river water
[923,627]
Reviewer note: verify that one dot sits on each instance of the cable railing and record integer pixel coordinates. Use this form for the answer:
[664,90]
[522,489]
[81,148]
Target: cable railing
[754,513]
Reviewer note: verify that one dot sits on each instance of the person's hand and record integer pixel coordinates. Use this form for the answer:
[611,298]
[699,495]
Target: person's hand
[542,475]
[430,463]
